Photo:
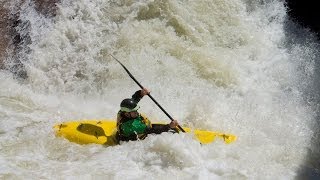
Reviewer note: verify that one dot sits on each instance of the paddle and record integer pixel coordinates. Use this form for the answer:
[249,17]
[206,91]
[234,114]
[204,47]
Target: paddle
[148,94]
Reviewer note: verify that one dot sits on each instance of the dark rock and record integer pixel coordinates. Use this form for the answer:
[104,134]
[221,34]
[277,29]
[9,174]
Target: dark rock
[15,42]
[5,35]
[46,7]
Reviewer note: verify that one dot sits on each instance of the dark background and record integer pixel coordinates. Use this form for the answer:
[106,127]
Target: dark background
[307,14]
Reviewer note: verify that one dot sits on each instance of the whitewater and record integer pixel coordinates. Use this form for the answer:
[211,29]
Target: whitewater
[232,66]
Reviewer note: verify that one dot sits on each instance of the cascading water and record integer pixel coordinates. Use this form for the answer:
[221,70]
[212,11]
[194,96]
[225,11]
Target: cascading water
[225,65]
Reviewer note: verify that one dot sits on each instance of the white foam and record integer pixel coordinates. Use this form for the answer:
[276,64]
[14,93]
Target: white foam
[213,65]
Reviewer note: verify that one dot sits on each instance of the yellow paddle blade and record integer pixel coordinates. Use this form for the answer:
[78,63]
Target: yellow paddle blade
[206,137]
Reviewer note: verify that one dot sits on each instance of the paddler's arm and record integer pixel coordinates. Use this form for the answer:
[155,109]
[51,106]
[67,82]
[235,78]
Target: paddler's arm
[160,128]
[137,96]
[173,124]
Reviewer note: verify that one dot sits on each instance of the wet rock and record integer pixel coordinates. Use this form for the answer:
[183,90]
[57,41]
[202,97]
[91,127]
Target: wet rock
[5,35]
[46,7]
[14,43]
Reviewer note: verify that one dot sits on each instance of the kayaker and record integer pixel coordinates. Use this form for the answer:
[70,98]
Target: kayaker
[131,125]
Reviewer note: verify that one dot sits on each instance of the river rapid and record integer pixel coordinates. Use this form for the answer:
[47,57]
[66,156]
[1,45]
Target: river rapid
[235,66]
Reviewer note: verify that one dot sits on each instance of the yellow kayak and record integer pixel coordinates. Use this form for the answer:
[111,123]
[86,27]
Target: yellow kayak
[103,132]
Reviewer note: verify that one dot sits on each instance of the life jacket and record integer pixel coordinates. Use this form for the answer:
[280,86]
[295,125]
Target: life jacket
[132,129]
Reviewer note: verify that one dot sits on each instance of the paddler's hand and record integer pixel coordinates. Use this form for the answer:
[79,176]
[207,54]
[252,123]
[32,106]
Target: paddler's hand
[173,124]
[144,92]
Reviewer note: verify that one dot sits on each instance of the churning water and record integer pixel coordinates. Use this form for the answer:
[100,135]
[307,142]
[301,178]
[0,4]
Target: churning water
[224,65]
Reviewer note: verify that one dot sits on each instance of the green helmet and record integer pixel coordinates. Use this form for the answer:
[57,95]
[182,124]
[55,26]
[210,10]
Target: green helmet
[128,105]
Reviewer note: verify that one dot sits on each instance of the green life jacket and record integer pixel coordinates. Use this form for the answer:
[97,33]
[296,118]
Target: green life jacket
[133,127]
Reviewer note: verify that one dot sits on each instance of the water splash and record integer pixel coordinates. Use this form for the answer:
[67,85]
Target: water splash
[221,65]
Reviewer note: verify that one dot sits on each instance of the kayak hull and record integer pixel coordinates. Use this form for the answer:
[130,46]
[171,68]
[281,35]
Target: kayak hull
[104,132]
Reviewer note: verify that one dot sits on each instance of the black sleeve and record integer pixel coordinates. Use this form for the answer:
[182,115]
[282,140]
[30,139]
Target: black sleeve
[137,96]
[158,128]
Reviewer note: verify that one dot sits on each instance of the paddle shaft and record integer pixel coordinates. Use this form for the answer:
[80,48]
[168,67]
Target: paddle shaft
[134,79]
